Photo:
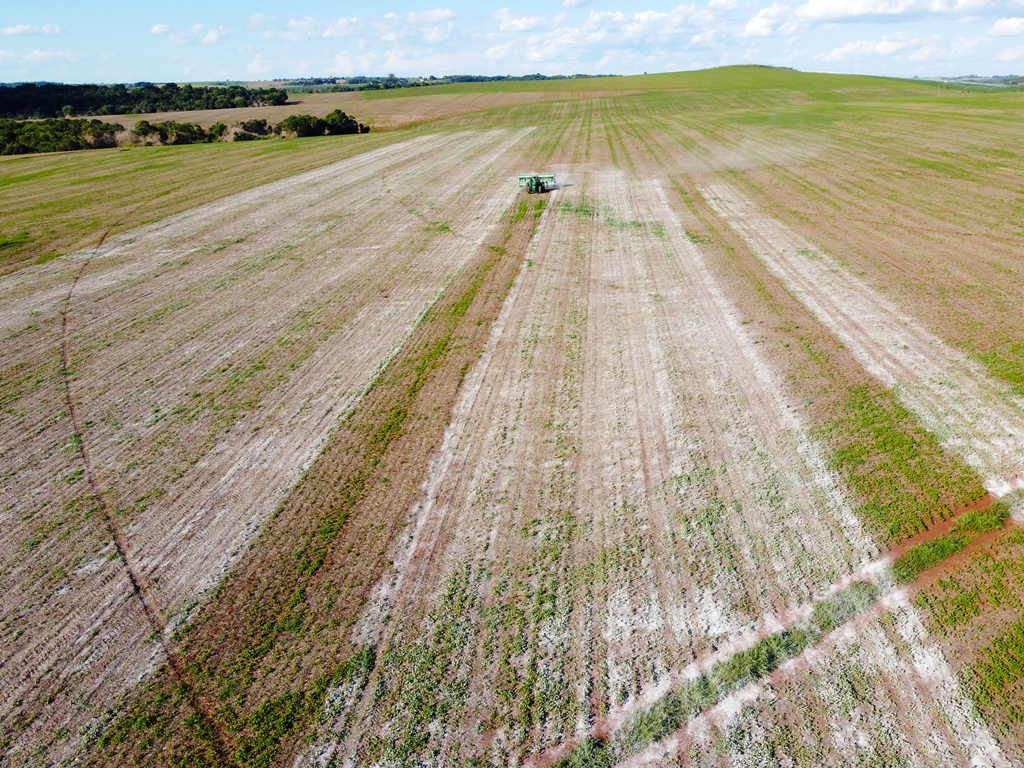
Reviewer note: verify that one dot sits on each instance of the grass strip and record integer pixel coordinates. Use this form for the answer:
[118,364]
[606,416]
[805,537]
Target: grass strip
[687,700]
[898,469]
[919,558]
[983,521]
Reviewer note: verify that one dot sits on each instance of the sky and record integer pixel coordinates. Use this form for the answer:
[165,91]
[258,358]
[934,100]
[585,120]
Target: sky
[75,42]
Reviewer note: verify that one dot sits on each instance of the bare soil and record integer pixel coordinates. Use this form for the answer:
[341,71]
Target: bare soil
[382,114]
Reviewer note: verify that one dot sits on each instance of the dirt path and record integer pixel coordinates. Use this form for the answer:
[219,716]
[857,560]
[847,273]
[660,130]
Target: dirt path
[953,397]
[210,354]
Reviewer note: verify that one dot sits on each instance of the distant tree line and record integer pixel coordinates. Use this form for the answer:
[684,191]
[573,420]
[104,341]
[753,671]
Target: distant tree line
[30,100]
[362,83]
[172,133]
[334,124]
[501,78]
[18,137]
[55,135]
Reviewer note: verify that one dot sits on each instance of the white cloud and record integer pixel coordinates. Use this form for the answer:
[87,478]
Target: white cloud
[215,35]
[934,50]
[1008,26]
[575,3]
[37,56]
[886,46]
[645,25]
[510,23]
[197,33]
[705,38]
[1011,54]
[349,65]
[302,29]
[499,52]
[853,10]
[258,65]
[605,39]
[773,20]
[904,46]
[343,27]
[29,29]
[431,17]
[258,20]
[432,26]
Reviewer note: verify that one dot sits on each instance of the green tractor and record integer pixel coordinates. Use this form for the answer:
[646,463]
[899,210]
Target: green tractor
[537,182]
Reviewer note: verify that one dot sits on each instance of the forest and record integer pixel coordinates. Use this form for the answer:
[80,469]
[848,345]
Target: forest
[31,100]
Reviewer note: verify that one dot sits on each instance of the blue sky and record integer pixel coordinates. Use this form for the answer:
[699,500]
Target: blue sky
[189,40]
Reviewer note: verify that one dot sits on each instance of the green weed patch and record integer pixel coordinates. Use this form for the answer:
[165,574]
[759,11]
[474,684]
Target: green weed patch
[921,557]
[903,478]
[1007,363]
[983,521]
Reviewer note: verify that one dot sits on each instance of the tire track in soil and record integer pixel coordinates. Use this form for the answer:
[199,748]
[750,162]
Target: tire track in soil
[200,705]
[437,515]
[419,539]
[932,678]
[888,637]
[425,540]
[364,529]
[612,490]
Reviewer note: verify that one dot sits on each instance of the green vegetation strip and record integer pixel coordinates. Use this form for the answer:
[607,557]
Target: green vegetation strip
[1006,362]
[673,710]
[921,557]
[899,471]
[977,609]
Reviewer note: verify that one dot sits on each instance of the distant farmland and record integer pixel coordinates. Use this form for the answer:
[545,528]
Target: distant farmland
[347,451]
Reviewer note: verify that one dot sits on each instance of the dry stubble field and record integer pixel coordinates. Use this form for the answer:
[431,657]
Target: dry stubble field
[712,455]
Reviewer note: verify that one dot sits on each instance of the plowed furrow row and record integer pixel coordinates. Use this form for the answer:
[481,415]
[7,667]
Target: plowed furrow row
[953,397]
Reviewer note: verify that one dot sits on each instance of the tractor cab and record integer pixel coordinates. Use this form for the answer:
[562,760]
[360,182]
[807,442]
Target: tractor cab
[537,182]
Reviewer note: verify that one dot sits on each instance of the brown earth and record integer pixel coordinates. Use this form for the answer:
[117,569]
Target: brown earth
[640,538]
[382,114]
[356,490]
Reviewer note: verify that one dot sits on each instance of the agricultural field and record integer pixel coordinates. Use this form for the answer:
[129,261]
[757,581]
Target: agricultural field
[347,451]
